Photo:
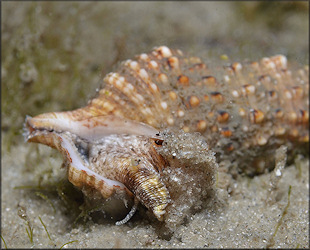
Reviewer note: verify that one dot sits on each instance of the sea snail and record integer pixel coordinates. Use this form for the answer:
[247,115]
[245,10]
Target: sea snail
[243,112]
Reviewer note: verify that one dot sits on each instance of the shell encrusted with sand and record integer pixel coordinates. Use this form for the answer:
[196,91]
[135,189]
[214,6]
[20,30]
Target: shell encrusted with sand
[164,121]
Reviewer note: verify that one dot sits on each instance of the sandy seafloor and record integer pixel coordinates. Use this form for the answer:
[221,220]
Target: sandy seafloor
[51,50]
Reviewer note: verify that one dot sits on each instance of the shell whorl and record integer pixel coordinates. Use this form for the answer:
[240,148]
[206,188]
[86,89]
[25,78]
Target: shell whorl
[247,109]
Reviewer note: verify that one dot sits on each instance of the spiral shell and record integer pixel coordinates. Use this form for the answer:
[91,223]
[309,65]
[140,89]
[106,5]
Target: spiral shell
[243,111]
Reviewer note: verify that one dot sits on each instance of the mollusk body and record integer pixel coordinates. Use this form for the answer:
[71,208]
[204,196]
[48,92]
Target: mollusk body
[243,111]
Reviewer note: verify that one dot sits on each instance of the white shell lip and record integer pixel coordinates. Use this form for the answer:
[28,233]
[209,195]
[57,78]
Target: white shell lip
[90,128]
[48,127]
[74,159]
[81,165]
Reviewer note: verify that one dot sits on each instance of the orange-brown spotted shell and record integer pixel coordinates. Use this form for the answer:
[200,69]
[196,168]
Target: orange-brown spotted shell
[254,106]
[243,111]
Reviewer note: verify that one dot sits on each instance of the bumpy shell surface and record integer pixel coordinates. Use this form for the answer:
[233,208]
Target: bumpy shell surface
[243,111]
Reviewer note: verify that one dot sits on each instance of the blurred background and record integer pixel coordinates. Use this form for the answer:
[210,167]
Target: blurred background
[54,53]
